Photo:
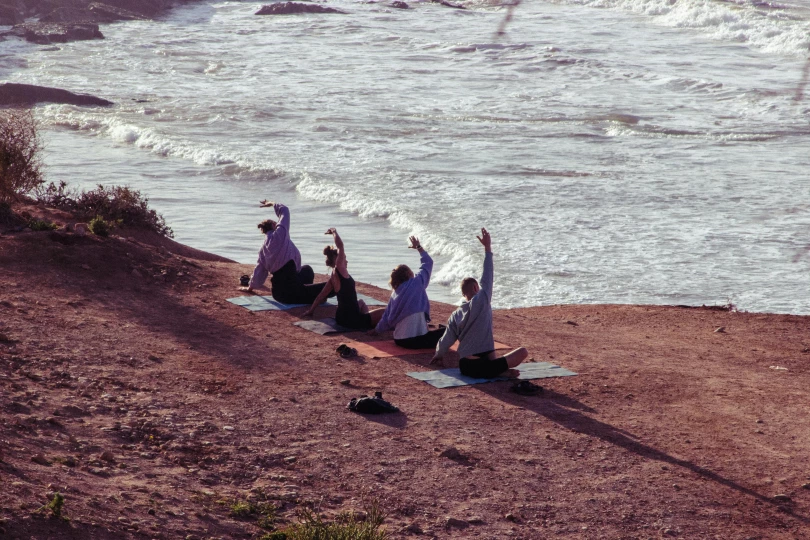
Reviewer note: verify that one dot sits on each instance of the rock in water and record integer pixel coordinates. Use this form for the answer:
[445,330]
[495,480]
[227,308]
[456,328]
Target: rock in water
[291,8]
[28,94]
[46,33]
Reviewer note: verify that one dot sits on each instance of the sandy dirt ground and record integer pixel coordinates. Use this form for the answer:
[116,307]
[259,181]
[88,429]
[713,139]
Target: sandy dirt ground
[130,386]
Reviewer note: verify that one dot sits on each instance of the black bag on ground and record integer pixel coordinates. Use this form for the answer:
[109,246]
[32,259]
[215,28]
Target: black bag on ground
[371,405]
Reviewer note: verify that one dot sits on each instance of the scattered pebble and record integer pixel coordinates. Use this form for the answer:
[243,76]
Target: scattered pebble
[778,368]
[228,428]
[720,330]
[345,382]
[782,497]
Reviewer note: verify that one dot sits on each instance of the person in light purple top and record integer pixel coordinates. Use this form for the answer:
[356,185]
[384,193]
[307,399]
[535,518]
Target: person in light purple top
[291,282]
[408,310]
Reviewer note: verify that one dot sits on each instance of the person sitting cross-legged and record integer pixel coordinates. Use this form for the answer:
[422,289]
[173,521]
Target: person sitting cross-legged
[408,310]
[471,326]
[351,312]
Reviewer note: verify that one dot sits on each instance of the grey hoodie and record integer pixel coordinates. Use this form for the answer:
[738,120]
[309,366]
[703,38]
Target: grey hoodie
[471,323]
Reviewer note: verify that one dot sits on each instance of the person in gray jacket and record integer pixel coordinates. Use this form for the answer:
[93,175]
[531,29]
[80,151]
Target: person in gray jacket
[471,326]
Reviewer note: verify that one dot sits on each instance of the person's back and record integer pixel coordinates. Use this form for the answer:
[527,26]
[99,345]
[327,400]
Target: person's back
[471,326]
[471,323]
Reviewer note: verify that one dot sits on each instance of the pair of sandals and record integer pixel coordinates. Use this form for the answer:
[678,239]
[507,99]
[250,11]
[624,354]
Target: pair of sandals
[525,388]
[345,351]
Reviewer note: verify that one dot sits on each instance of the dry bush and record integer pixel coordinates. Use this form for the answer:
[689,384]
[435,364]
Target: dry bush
[20,154]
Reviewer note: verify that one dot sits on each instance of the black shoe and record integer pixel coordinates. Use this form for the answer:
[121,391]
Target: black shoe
[525,388]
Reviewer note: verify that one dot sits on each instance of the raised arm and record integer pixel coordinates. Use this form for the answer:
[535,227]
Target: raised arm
[426,266]
[487,278]
[283,214]
[341,256]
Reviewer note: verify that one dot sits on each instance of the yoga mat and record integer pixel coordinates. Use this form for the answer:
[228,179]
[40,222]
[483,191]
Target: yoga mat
[255,302]
[384,349]
[452,377]
[322,326]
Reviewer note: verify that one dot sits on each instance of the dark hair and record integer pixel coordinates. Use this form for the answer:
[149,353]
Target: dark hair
[466,284]
[400,275]
[267,225]
[331,256]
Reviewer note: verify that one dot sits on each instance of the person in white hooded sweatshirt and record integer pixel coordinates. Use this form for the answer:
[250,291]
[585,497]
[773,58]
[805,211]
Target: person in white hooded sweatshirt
[471,326]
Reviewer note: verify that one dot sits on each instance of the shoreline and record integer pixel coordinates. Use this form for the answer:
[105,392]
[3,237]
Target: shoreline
[152,404]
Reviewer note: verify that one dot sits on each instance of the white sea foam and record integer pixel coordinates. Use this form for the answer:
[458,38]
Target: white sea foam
[613,157]
[773,31]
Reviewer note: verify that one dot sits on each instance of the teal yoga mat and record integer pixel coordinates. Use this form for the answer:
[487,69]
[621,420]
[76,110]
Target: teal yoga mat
[255,302]
[452,377]
[322,326]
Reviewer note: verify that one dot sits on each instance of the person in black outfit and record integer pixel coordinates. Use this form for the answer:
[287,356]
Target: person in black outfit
[351,312]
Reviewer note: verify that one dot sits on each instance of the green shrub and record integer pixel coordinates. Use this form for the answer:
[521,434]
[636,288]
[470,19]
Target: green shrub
[41,225]
[55,505]
[100,227]
[115,204]
[20,154]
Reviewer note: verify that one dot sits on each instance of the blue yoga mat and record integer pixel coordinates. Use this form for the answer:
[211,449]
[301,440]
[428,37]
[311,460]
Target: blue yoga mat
[255,302]
[452,377]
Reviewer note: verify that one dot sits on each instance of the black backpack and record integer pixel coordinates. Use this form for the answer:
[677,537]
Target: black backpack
[371,405]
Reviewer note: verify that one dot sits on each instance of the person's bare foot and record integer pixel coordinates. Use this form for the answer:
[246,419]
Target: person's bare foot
[511,373]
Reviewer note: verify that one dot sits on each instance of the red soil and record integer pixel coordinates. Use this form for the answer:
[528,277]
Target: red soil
[129,385]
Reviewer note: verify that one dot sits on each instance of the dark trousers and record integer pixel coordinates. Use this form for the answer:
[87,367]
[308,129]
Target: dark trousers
[425,341]
[291,287]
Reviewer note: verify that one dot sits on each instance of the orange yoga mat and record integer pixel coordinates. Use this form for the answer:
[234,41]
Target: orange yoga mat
[384,349]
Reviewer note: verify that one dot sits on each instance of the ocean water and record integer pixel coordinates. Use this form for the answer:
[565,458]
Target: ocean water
[619,151]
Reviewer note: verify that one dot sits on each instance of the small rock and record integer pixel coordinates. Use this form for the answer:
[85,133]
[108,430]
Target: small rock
[399,5]
[572,323]
[106,456]
[760,421]
[290,459]
[457,523]
[414,528]
[806,486]
[510,517]
[720,330]
[345,382]
[451,453]
[669,532]
[40,460]
[782,497]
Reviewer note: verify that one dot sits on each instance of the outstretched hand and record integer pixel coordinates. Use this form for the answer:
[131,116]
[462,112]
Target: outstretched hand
[415,243]
[485,239]
[265,203]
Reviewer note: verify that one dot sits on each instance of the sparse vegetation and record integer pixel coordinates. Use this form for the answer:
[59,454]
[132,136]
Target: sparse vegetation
[55,505]
[346,526]
[42,225]
[20,154]
[115,204]
[100,226]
